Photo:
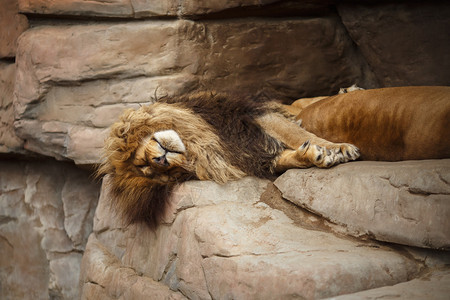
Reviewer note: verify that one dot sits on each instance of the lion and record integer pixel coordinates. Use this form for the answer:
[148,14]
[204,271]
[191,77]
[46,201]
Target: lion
[388,124]
[205,136]
[223,137]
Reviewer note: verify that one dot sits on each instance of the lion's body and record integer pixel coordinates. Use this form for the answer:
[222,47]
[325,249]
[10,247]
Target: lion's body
[388,124]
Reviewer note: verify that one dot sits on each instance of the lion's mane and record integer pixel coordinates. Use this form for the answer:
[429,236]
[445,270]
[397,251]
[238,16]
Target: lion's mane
[222,138]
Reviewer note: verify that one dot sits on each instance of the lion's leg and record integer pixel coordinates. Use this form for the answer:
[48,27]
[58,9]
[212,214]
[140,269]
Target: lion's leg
[308,149]
[306,156]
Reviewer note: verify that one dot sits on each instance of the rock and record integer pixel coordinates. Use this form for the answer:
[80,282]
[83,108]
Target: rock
[107,278]
[9,142]
[164,8]
[403,202]
[115,8]
[12,24]
[222,241]
[83,62]
[46,213]
[74,81]
[434,286]
[404,43]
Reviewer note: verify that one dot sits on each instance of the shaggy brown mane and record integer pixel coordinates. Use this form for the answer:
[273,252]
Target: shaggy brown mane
[221,134]
[144,203]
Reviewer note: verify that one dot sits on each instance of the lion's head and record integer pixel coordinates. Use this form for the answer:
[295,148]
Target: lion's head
[145,158]
[151,149]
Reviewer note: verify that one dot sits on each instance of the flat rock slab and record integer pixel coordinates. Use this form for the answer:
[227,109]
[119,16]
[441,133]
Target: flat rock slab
[432,286]
[403,202]
[222,241]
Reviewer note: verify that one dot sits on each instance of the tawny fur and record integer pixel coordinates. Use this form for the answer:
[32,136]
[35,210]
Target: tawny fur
[389,124]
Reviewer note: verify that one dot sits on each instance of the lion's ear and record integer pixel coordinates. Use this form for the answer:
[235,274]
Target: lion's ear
[121,129]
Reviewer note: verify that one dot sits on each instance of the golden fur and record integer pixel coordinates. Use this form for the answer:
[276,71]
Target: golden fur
[389,124]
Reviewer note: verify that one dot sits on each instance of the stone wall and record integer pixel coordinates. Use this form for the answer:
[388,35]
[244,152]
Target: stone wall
[68,68]
[46,217]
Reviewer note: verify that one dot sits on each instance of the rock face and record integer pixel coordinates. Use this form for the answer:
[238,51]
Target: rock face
[81,63]
[435,285]
[12,24]
[163,8]
[46,211]
[9,141]
[225,242]
[404,202]
[69,92]
[399,40]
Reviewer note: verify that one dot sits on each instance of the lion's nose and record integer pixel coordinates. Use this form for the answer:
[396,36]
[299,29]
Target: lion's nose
[161,161]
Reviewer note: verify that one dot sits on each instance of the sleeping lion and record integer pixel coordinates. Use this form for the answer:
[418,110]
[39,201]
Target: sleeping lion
[220,137]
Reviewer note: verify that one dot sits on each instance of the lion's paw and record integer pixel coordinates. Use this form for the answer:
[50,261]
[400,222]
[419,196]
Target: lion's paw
[329,154]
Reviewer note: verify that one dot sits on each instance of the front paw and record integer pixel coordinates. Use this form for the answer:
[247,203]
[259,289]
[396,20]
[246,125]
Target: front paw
[346,152]
[329,154]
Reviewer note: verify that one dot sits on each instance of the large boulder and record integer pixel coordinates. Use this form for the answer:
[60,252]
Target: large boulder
[402,202]
[229,241]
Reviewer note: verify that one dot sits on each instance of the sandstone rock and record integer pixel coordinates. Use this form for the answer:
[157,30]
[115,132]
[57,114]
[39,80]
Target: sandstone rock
[434,286]
[9,142]
[404,43]
[192,7]
[402,202]
[167,8]
[73,81]
[12,24]
[221,241]
[114,8]
[107,278]
[45,219]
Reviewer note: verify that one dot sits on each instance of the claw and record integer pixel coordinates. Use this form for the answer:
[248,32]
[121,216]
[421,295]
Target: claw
[305,145]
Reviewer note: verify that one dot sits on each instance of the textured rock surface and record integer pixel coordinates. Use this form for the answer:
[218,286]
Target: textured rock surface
[142,9]
[83,62]
[9,142]
[73,81]
[106,278]
[403,202]
[434,285]
[12,24]
[224,242]
[46,212]
[404,43]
